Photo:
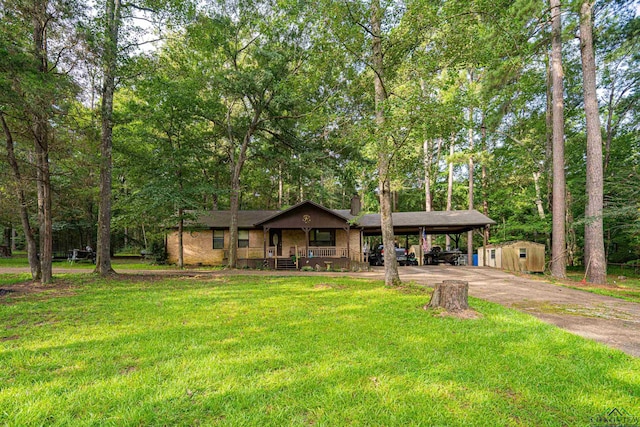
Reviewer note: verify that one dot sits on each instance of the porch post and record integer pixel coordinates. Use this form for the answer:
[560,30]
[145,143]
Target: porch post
[264,241]
[421,246]
[348,230]
[306,241]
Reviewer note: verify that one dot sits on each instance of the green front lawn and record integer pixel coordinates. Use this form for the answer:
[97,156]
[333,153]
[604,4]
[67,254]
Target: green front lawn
[618,285]
[274,351]
[121,263]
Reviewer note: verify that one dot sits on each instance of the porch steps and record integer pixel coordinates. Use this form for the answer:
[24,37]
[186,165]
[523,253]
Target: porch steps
[285,264]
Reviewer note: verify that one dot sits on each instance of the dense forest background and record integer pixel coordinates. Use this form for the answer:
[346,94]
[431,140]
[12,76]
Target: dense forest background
[261,104]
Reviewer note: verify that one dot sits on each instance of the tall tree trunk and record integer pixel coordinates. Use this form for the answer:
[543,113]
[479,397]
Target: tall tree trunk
[40,129]
[428,178]
[450,185]
[32,246]
[558,242]
[280,186]
[471,166]
[234,198]
[8,231]
[14,235]
[571,241]
[485,198]
[45,221]
[609,129]
[234,207]
[428,199]
[109,64]
[548,158]
[391,276]
[180,238]
[536,183]
[214,196]
[595,262]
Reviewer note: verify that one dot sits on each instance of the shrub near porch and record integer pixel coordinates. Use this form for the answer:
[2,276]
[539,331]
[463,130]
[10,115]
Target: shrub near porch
[261,350]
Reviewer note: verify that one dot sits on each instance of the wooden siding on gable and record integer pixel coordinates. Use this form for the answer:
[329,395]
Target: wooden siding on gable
[306,216]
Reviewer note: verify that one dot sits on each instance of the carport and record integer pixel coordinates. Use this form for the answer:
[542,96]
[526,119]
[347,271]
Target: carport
[452,223]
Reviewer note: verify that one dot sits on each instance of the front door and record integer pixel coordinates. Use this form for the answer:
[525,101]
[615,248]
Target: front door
[275,240]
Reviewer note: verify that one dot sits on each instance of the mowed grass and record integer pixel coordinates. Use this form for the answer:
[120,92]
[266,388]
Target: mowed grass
[619,285]
[122,263]
[294,351]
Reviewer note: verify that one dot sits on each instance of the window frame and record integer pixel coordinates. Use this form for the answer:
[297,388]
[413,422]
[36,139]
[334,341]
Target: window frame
[243,243]
[219,240]
[313,237]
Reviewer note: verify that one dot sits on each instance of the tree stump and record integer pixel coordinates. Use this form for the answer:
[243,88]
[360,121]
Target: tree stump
[452,295]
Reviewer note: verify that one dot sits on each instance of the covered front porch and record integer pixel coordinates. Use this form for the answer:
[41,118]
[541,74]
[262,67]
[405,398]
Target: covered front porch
[309,235]
[317,248]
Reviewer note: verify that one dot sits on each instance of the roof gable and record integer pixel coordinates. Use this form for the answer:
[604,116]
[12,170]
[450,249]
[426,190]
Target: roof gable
[306,214]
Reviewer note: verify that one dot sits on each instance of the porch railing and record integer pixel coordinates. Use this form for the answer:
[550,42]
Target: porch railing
[314,252]
[323,252]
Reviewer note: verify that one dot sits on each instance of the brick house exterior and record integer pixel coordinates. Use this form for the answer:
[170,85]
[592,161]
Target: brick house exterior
[306,234]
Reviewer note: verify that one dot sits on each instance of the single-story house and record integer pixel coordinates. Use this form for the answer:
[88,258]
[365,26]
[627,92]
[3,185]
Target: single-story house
[514,256]
[306,234]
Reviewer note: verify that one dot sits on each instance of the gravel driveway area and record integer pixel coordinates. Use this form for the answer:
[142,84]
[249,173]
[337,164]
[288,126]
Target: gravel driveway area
[609,320]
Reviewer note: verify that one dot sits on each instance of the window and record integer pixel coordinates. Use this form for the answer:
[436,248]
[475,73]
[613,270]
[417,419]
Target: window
[243,238]
[218,239]
[493,254]
[523,252]
[322,237]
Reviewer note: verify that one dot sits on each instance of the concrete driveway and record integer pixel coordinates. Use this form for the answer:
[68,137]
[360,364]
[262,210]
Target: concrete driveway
[611,321]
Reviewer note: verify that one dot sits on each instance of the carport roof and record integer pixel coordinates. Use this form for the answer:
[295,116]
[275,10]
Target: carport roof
[434,222]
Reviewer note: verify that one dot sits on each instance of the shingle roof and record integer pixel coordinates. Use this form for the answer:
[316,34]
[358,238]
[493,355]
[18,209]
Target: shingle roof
[221,219]
[434,220]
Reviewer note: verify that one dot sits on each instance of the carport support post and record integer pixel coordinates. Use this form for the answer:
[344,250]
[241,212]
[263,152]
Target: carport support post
[484,247]
[306,240]
[421,246]
[264,240]
[470,247]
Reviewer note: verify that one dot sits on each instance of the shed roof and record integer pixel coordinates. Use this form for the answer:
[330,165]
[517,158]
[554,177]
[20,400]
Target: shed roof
[515,244]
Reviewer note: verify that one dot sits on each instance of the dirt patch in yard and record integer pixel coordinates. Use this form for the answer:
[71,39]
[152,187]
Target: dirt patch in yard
[16,291]
[469,314]
[599,311]
[324,286]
